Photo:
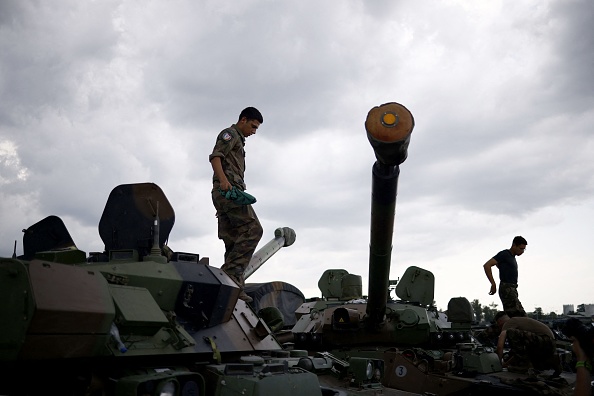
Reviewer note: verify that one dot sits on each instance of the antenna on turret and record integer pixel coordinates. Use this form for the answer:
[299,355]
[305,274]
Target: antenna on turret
[155,254]
[156,249]
[14,251]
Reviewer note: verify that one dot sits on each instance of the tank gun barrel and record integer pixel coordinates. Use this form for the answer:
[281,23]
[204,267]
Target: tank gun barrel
[283,237]
[388,127]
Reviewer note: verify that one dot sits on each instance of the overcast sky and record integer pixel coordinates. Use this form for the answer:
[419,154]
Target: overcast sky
[94,94]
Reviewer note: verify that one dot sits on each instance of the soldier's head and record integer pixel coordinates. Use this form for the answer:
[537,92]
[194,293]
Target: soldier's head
[500,319]
[249,121]
[518,246]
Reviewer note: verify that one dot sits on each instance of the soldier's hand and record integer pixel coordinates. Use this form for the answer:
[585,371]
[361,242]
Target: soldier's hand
[493,290]
[225,185]
[577,350]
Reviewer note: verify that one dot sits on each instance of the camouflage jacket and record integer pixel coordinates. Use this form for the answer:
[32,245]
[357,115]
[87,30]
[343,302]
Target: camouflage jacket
[230,148]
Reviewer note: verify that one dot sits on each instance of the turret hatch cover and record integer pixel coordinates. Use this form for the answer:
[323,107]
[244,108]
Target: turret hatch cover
[128,218]
[47,234]
[417,285]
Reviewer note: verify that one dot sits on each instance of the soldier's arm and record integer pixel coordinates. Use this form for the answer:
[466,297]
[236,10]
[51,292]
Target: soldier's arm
[217,167]
[501,343]
[582,373]
[488,271]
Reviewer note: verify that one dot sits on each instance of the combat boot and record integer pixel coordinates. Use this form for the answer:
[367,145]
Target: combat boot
[243,296]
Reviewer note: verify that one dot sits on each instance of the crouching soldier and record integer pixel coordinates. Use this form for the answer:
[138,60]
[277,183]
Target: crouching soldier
[532,344]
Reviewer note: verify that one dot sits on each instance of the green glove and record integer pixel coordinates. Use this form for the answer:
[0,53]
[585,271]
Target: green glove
[238,196]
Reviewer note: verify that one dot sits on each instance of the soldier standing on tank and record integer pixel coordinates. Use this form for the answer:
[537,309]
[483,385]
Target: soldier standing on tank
[506,262]
[238,225]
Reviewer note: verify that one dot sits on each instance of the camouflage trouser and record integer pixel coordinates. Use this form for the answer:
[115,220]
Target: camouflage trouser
[508,292]
[240,230]
[538,349]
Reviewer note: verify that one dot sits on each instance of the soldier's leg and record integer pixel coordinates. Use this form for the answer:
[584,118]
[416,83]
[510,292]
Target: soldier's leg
[238,258]
[519,341]
[249,233]
[226,231]
[542,351]
[519,309]
[240,230]
[227,234]
[509,298]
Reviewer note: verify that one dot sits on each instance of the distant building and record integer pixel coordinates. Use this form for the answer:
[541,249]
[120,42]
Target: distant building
[567,308]
[583,309]
[588,309]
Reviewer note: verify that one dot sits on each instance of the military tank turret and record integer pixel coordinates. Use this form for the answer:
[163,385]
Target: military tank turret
[412,320]
[403,344]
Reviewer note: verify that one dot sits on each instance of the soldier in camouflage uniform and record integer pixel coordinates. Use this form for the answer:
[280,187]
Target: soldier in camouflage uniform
[531,343]
[506,262]
[238,225]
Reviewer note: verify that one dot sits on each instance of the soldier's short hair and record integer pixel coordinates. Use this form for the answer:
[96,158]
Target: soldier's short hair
[251,113]
[519,241]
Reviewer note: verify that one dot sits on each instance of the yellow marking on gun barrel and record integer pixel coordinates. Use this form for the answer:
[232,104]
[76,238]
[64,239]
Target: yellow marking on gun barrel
[389,119]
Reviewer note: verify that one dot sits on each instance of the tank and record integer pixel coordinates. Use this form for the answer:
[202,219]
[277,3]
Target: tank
[135,319]
[401,344]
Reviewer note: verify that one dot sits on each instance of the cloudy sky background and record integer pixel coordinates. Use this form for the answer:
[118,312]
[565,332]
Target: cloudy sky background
[94,94]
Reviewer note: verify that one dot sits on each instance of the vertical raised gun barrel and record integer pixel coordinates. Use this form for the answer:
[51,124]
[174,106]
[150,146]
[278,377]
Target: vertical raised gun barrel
[388,127]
